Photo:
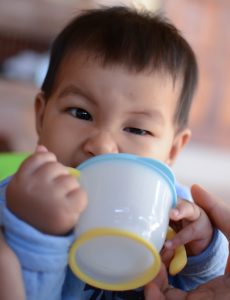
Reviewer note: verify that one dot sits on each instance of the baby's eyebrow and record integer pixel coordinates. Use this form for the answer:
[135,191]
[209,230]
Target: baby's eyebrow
[71,89]
[151,114]
[75,90]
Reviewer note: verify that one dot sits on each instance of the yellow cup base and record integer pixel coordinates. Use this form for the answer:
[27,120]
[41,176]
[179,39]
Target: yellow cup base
[130,283]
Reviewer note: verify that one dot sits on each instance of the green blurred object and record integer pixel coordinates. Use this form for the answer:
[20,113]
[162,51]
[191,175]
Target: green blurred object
[9,163]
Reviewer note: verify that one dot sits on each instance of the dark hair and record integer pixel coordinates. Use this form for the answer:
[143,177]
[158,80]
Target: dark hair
[139,41]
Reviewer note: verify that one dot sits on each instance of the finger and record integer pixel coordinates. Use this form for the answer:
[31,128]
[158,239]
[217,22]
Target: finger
[184,236]
[67,181]
[33,162]
[168,291]
[185,210]
[160,283]
[167,255]
[78,200]
[41,148]
[175,294]
[50,171]
[152,292]
[159,289]
[217,210]
[162,277]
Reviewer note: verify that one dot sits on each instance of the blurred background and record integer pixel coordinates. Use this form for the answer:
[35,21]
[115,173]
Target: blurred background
[27,28]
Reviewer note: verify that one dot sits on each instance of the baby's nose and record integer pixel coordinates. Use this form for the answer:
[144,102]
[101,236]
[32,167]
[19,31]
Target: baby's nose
[100,143]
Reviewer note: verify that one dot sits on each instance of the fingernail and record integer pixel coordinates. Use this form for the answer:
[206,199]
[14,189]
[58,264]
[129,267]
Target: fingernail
[40,148]
[175,212]
[168,244]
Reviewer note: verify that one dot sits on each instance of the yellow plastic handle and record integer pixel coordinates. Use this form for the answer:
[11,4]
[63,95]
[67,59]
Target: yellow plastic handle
[180,258]
[74,172]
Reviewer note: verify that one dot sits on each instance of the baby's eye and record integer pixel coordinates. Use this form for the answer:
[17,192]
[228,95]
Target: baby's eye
[136,131]
[79,113]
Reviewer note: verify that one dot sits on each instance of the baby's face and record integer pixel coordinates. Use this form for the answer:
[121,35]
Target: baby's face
[96,110]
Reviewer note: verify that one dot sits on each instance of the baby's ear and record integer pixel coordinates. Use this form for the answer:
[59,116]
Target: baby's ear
[180,140]
[39,105]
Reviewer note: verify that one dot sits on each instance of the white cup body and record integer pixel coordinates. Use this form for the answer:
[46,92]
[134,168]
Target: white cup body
[129,194]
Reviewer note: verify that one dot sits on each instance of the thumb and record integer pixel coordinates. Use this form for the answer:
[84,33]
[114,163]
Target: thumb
[152,292]
[217,210]
[159,288]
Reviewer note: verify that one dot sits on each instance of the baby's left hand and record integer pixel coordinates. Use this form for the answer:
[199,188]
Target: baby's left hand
[193,227]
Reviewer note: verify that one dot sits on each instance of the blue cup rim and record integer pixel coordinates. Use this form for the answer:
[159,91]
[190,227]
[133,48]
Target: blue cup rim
[153,164]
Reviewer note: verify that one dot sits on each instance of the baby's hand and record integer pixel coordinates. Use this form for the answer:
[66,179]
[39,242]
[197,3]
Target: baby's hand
[45,195]
[193,228]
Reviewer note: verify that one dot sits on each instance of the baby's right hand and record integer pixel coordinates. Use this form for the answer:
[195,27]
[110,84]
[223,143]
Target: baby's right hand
[43,194]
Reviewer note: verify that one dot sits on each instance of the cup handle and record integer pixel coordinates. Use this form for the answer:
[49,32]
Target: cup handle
[180,257]
[74,172]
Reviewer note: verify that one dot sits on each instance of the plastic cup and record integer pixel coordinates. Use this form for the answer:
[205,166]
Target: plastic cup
[120,234]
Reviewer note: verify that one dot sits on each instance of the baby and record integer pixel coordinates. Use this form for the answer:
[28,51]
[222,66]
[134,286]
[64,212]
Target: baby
[118,81]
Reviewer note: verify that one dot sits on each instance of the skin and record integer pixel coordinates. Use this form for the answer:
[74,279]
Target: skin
[189,220]
[11,274]
[96,110]
[118,101]
[218,288]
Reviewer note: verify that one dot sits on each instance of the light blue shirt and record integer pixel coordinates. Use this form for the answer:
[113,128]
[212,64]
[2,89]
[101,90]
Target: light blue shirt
[44,261]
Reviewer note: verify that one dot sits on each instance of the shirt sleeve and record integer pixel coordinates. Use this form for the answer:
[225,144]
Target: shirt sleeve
[43,257]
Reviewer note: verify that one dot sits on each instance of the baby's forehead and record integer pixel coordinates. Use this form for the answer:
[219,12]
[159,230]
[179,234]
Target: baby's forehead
[92,77]
[77,69]
[92,59]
